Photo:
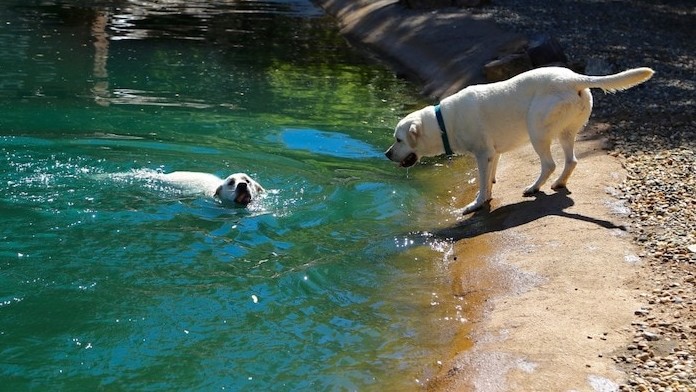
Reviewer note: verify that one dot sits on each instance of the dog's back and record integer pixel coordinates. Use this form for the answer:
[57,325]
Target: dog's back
[552,78]
[504,108]
[195,181]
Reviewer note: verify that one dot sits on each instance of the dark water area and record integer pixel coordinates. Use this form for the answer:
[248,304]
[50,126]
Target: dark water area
[111,278]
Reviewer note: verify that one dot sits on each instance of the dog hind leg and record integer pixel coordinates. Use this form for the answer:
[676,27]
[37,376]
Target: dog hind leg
[494,163]
[582,106]
[567,141]
[542,146]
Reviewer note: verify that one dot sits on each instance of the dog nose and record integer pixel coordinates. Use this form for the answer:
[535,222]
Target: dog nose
[242,186]
[388,153]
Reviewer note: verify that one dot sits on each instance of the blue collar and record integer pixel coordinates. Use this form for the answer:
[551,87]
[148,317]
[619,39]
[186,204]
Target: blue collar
[441,123]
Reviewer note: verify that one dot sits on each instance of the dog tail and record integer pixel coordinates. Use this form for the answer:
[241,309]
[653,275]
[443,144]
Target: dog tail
[620,81]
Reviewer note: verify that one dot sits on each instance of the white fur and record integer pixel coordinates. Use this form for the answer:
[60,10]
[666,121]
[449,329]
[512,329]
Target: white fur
[489,119]
[237,188]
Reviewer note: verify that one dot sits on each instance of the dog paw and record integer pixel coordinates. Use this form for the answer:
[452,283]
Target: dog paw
[557,186]
[471,207]
[531,191]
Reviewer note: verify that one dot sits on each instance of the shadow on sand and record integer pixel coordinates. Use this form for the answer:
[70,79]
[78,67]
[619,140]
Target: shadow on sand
[540,205]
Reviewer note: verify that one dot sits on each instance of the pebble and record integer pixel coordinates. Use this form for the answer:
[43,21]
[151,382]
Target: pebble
[643,356]
[650,336]
[652,133]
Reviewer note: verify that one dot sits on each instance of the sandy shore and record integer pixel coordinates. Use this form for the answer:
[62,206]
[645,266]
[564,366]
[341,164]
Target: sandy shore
[562,273]
[555,306]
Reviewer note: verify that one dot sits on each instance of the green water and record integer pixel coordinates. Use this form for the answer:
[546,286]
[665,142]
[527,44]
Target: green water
[111,279]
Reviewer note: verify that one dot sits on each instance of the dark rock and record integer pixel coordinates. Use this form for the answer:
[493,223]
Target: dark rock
[471,3]
[426,4]
[545,50]
[507,67]
[433,4]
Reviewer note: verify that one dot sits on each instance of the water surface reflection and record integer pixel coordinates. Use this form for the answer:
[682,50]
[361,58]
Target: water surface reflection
[111,279]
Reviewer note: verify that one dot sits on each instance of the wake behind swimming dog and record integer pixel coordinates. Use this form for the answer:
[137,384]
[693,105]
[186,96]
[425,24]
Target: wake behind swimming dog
[487,120]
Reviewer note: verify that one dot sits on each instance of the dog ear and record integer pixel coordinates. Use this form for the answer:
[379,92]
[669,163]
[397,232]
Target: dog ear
[257,187]
[413,133]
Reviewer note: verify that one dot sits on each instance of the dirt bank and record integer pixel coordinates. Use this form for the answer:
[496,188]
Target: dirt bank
[445,50]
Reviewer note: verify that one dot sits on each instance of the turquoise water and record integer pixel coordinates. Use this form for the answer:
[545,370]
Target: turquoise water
[111,279]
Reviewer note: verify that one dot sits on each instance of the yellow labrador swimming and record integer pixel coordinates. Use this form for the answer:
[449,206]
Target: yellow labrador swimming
[238,188]
[489,119]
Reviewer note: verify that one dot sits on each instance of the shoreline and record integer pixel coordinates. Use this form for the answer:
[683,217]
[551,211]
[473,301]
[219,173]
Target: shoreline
[568,300]
[562,267]
[445,50]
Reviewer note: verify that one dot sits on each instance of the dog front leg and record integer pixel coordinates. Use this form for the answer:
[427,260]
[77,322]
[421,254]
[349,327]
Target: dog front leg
[486,167]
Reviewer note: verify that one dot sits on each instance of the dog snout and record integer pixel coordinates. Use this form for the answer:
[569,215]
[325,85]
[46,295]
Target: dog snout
[389,153]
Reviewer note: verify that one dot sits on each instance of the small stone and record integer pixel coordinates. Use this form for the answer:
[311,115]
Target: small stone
[643,356]
[650,336]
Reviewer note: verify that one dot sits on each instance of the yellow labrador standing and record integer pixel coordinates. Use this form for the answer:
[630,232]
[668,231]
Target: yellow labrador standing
[489,119]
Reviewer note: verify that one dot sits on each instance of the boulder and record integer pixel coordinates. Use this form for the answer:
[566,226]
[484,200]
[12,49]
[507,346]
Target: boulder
[507,66]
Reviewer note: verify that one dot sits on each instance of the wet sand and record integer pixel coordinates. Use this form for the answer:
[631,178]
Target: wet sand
[546,280]
[557,293]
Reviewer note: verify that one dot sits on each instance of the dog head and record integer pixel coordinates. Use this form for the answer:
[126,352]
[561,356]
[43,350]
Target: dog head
[416,135]
[405,148]
[239,188]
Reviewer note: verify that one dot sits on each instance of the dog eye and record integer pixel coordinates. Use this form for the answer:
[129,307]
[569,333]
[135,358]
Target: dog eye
[231,183]
[398,140]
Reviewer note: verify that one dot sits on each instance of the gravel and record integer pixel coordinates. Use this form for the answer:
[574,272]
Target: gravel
[652,132]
